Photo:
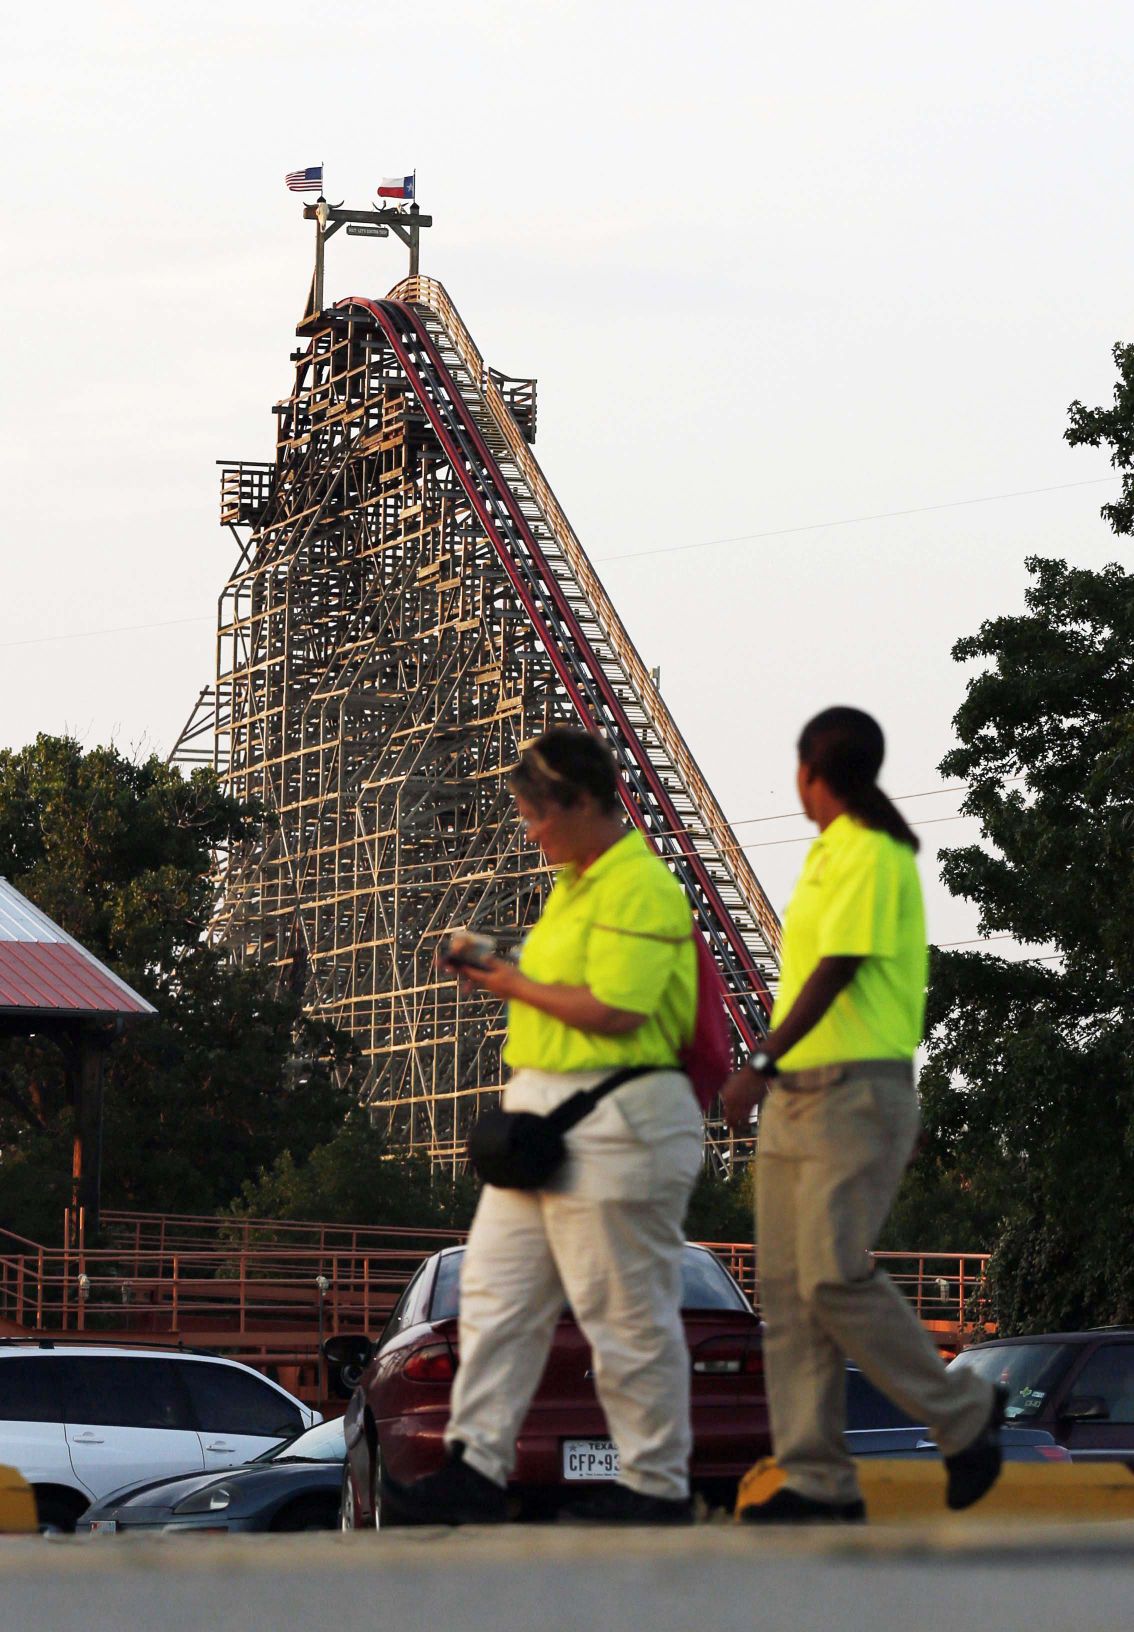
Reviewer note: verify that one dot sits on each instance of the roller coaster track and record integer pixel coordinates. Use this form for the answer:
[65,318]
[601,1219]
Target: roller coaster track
[408,606]
[593,656]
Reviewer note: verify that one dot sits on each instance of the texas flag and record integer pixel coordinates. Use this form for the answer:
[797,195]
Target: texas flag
[396,187]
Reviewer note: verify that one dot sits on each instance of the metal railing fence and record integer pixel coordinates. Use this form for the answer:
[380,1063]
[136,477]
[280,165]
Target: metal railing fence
[180,1275]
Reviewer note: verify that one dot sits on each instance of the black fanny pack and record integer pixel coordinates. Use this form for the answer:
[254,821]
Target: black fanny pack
[519,1150]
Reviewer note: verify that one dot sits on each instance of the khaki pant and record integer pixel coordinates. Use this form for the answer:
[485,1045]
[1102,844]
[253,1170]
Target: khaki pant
[606,1240]
[829,1163]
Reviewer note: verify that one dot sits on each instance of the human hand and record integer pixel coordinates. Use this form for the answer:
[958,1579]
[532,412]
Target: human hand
[740,1096]
[495,975]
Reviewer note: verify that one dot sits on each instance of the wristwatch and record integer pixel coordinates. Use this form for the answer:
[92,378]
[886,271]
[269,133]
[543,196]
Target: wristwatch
[762,1063]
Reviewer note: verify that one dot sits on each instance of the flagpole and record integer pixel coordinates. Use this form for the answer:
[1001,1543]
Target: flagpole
[320,227]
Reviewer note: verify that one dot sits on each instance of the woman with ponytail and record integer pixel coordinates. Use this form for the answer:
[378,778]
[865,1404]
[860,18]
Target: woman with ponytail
[838,1125]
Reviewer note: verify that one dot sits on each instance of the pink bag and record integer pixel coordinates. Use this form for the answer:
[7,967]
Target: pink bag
[706,1058]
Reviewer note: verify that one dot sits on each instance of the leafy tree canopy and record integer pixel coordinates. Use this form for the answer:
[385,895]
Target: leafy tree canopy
[722,1209]
[227,1074]
[355,1178]
[1112,427]
[1028,1091]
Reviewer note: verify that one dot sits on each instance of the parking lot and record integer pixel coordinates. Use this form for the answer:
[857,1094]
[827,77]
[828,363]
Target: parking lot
[558,1579]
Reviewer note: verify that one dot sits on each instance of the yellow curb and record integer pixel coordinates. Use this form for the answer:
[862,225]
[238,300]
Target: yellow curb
[17,1504]
[900,1491]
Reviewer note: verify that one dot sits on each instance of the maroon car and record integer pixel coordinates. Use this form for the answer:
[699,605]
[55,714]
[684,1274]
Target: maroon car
[397,1414]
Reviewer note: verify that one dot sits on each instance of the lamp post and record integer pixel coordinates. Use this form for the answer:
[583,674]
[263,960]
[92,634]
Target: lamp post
[323,1285]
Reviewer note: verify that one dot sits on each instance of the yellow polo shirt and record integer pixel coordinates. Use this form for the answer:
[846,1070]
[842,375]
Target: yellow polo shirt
[624,929]
[859,895]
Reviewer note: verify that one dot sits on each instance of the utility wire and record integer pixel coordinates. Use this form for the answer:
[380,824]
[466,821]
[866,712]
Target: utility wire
[928,793]
[854,521]
[794,815]
[93,634]
[978,940]
[633,555]
[809,838]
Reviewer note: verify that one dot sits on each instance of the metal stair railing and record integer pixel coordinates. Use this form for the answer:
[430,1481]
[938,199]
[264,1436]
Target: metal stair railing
[257,1281]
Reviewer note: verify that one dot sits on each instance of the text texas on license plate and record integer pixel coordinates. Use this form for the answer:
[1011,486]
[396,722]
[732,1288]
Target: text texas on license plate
[590,1459]
[104,1527]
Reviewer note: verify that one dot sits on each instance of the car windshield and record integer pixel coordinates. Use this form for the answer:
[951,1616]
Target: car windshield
[1029,1371]
[323,1443]
[704,1285]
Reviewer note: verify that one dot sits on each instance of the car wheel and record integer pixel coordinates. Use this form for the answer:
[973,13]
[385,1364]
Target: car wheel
[385,1517]
[312,1514]
[350,1517]
[57,1512]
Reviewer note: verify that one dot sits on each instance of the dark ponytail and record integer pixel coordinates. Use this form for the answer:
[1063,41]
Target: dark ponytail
[845,747]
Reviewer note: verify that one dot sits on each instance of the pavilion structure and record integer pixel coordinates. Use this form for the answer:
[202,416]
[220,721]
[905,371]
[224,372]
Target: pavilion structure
[52,987]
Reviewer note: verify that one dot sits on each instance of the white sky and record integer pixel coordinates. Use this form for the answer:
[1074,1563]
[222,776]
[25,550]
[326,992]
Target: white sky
[773,266]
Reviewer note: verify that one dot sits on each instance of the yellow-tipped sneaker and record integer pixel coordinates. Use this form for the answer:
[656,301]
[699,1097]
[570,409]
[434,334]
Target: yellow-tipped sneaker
[764,1497]
[759,1484]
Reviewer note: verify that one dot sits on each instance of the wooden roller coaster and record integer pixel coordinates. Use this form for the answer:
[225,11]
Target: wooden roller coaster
[409,604]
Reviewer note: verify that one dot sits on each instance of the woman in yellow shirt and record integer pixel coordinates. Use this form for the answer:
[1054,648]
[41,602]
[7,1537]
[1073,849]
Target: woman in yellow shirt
[607,979]
[837,1128]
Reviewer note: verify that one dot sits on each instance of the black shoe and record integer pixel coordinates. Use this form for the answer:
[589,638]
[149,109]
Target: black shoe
[455,1494]
[790,1507]
[618,1504]
[973,1471]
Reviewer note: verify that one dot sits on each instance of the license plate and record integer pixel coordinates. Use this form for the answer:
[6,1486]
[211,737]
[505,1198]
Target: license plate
[590,1459]
[103,1527]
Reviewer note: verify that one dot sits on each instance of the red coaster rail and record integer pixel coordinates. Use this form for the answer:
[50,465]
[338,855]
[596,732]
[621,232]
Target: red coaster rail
[584,676]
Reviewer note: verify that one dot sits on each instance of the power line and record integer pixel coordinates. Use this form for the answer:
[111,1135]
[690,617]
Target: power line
[895,798]
[977,940]
[93,634]
[633,555]
[853,521]
[809,838]
[982,940]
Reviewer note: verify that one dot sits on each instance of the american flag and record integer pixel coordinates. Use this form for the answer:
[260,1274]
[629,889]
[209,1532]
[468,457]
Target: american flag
[305,181]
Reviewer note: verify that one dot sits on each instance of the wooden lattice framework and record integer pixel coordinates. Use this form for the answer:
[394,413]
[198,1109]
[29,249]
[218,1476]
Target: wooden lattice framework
[409,606]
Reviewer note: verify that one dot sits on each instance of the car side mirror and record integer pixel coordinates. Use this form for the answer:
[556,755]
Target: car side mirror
[347,1354]
[1085,1408]
[348,1349]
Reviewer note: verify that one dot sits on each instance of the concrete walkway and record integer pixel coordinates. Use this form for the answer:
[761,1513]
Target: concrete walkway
[712,1578]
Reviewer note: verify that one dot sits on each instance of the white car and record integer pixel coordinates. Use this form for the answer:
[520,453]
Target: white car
[79,1421]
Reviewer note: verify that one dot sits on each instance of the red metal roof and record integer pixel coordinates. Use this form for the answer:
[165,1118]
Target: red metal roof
[43,970]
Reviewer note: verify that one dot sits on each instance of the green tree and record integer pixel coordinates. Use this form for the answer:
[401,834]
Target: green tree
[1113,428]
[355,1178]
[228,1073]
[722,1209]
[1028,1090]
[1029,1086]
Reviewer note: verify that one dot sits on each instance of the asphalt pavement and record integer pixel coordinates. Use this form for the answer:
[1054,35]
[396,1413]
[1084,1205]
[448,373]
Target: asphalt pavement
[710,1578]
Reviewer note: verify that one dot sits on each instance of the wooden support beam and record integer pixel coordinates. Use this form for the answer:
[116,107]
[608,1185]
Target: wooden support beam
[86,1052]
